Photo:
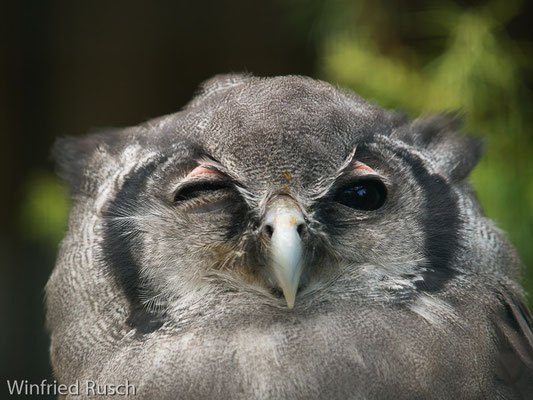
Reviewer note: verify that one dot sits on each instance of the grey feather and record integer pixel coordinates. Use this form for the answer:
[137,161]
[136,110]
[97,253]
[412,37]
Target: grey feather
[165,278]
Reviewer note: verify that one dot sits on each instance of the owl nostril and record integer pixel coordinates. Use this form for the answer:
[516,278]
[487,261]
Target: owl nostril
[269,230]
[300,229]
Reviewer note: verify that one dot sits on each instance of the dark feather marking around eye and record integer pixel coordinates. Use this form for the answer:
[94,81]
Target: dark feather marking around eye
[121,246]
[440,221]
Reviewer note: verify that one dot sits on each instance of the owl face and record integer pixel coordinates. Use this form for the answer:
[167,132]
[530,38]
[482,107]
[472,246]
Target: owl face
[283,203]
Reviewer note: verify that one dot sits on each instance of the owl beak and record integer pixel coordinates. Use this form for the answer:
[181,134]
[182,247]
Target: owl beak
[284,224]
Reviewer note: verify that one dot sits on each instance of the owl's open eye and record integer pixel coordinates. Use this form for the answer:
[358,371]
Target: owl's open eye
[366,195]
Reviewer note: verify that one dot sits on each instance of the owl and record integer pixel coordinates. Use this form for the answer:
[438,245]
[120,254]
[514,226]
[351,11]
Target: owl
[280,238]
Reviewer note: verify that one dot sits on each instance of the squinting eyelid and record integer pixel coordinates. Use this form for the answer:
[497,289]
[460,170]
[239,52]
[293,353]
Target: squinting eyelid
[202,170]
[362,167]
[199,179]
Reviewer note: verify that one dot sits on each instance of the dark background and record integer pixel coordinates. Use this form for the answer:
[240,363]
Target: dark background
[68,67]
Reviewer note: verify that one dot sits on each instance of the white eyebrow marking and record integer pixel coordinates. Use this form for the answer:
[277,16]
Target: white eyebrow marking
[346,162]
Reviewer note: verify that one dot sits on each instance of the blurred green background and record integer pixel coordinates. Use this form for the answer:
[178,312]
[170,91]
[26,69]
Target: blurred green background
[67,68]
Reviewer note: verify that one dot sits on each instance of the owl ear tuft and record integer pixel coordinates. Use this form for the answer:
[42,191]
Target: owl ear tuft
[217,86]
[79,159]
[454,154]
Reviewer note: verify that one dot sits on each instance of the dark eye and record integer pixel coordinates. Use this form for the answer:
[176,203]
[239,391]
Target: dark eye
[197,189]
[367,195]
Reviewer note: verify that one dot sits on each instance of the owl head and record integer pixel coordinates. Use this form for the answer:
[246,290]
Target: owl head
[279,190]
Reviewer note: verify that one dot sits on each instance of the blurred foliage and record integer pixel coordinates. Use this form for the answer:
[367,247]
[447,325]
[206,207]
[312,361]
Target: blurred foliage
[44,211]
[473,66]
[444,57]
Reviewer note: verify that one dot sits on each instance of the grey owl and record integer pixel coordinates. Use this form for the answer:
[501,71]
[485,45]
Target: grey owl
[280,238]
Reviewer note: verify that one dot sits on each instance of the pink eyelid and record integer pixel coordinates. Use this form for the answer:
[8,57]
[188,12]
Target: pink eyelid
[363,167]
[201,170]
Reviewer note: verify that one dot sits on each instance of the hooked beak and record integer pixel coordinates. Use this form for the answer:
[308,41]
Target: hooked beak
[284,224]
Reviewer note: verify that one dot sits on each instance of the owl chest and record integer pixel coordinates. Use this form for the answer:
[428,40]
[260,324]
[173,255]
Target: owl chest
[335,358]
